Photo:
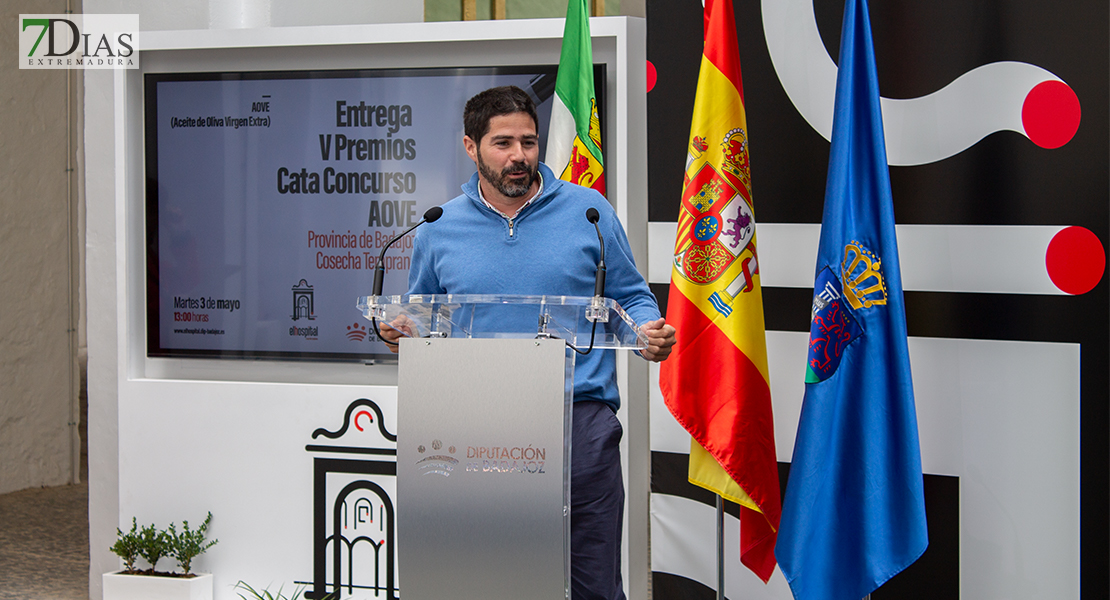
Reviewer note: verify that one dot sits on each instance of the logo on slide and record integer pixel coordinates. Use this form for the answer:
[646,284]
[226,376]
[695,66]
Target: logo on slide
[356,332]
[303,301]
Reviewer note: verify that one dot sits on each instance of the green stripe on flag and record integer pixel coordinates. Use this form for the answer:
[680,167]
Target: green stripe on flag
[575,81]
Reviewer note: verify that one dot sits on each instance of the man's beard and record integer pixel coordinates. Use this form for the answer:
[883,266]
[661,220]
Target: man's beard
[509,187]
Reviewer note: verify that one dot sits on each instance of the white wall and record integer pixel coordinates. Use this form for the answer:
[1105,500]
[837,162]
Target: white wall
[38,370]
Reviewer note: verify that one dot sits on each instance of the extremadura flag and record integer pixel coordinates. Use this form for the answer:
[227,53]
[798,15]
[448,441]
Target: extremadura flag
[574,136]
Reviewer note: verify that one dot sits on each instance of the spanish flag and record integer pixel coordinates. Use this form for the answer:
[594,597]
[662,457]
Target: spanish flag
[715,382]
[574,136]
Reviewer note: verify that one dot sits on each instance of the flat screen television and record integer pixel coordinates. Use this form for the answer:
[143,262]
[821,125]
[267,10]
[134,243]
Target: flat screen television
[269,196]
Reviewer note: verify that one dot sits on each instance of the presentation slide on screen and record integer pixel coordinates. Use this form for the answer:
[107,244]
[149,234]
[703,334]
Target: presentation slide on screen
[270,197]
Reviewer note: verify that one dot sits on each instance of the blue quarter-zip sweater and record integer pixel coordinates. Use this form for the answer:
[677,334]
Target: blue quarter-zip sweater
[548,248]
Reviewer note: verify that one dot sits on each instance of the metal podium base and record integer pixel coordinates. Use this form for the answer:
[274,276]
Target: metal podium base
[482,471]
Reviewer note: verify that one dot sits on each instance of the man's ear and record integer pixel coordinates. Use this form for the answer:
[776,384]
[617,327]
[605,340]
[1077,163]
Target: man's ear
[471,148]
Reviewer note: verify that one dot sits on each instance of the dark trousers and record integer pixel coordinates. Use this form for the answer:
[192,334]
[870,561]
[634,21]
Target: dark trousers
[597,504]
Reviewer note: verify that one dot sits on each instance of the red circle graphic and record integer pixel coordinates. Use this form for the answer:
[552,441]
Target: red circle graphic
[652,76]
[1051,114]
[1075,260]
[359,414]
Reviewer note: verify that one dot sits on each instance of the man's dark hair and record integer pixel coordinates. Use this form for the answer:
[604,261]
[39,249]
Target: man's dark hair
[495,102]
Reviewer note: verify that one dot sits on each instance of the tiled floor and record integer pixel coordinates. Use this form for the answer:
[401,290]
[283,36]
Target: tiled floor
[44,544]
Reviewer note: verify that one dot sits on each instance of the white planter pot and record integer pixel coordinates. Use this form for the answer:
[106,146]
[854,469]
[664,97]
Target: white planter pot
[144,587]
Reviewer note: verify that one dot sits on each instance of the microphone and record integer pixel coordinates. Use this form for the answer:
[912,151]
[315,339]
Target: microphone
[430,216]
[599,279]
[599,283]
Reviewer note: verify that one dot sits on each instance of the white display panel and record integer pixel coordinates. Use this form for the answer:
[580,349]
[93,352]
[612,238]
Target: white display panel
[197,434]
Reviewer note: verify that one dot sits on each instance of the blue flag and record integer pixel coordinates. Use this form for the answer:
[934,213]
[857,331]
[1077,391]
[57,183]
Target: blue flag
[854,512]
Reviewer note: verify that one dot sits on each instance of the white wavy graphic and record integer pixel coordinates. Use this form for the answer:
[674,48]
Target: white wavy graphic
[682,543]
[991,259]
[979,405]
[920,130]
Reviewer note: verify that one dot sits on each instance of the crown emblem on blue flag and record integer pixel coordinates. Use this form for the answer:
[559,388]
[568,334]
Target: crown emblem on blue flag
[861,272]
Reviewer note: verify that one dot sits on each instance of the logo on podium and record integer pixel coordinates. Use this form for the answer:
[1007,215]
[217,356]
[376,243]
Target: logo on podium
[437,464]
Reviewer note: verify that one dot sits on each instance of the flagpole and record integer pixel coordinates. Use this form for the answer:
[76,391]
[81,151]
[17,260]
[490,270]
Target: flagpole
[720,548]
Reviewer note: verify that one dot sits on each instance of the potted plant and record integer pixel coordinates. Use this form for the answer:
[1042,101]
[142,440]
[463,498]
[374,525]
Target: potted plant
[246,592]
[152,544]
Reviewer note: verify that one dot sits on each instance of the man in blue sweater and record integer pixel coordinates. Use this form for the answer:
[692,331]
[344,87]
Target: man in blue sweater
[518,229]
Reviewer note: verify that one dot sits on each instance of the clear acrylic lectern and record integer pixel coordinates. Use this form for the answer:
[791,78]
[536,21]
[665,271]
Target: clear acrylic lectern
[485,390]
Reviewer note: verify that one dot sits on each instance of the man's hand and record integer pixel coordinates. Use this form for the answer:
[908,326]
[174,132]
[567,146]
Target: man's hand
[397,329]
[660,339]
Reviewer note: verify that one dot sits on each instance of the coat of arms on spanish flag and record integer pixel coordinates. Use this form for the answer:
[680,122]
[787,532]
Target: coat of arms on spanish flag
[574,137]
[716,382]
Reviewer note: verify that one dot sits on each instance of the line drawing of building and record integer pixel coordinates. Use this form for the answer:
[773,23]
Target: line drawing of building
[353,513]
[303,301]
